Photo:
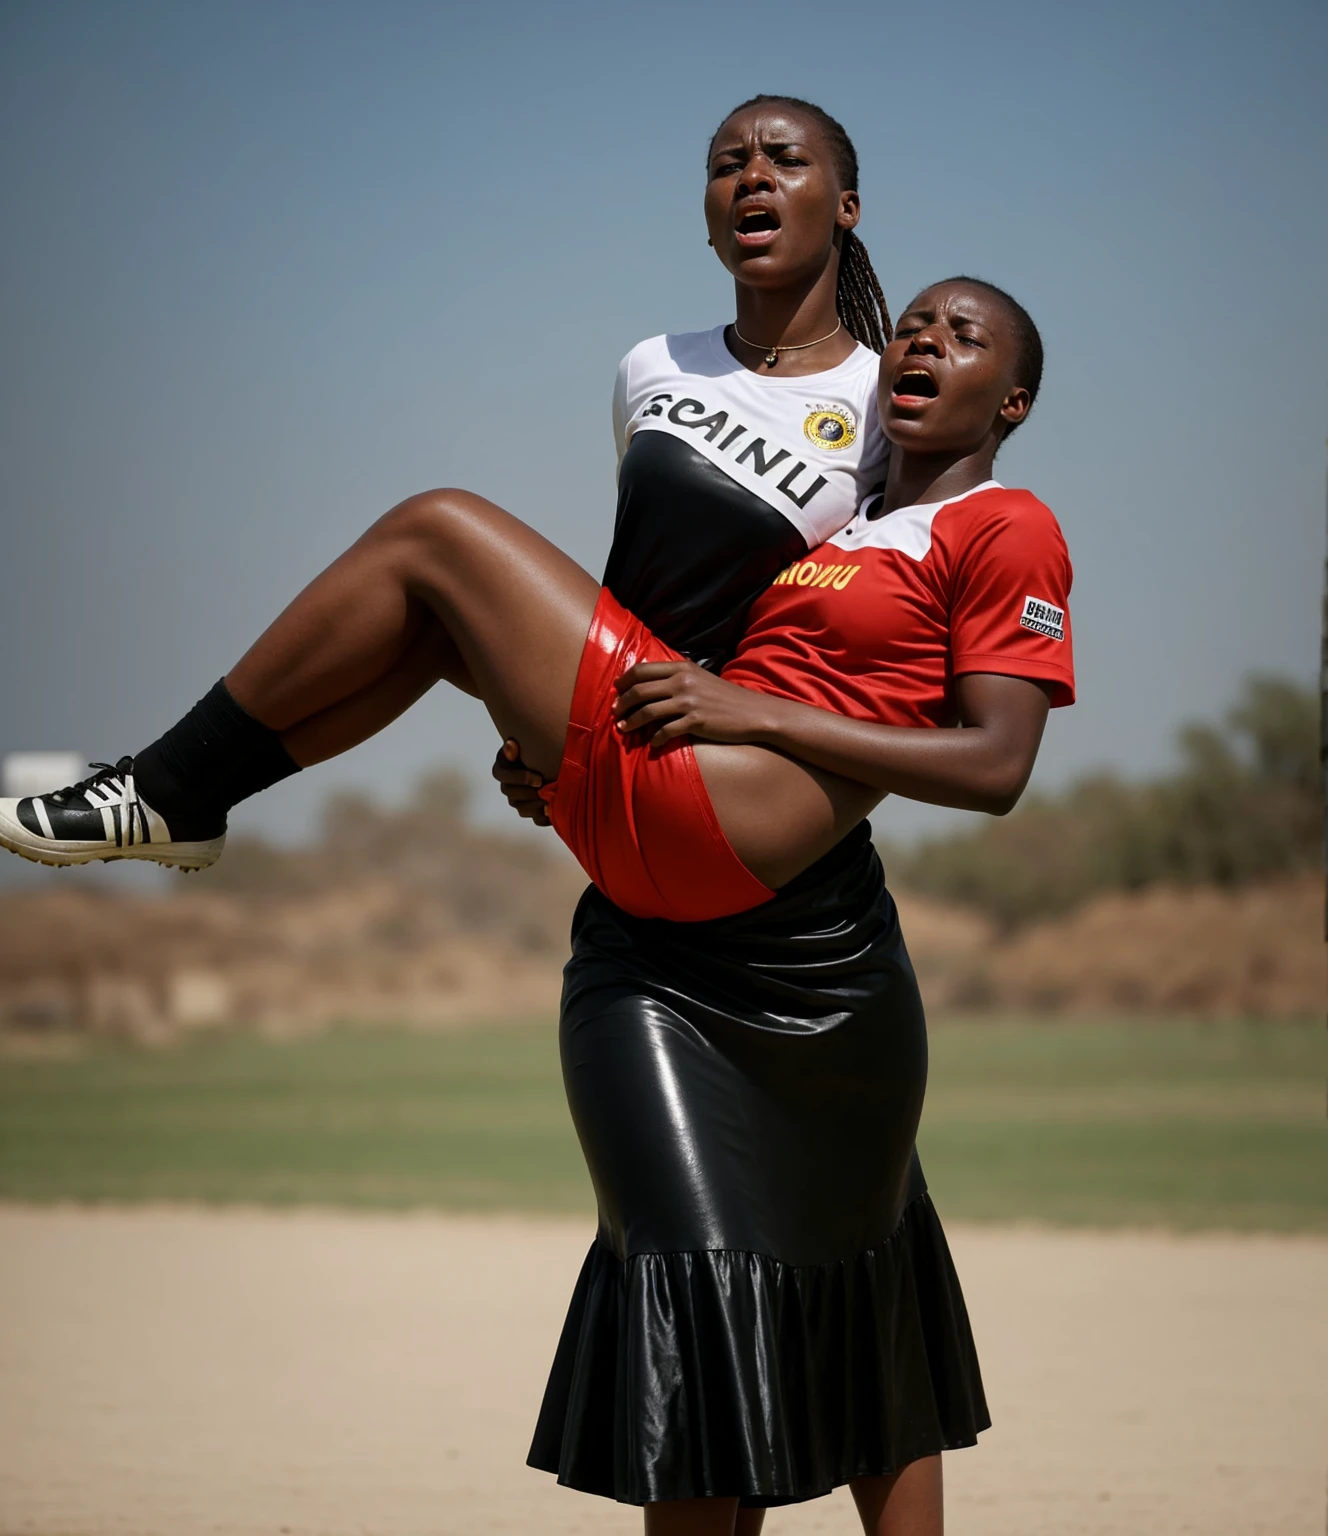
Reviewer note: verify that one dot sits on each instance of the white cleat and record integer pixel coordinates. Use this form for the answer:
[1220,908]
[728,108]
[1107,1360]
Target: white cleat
[102,818]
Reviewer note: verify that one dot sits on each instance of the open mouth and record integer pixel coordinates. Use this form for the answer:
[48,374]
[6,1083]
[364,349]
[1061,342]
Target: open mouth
[914,385]
[757,227]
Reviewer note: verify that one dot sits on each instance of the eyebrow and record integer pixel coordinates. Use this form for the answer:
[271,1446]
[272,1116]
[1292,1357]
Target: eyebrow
[928,315]
[770,149]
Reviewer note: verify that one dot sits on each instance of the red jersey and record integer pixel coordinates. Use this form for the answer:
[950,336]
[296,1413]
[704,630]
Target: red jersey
[878,621]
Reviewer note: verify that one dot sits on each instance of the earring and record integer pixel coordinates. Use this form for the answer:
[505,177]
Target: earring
[711,244]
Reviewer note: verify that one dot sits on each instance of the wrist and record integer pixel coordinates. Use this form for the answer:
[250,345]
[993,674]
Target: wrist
[772,721]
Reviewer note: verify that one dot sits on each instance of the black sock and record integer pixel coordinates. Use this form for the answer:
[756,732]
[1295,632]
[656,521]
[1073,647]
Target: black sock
[215,757]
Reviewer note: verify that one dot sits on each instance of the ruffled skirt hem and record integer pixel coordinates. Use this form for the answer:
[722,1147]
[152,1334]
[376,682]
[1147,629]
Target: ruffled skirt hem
[723,1373]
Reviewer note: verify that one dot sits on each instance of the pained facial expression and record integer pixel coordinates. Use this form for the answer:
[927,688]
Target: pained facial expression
[773,201]
[947,379]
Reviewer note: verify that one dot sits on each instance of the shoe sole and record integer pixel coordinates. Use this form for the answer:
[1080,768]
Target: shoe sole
[185,856]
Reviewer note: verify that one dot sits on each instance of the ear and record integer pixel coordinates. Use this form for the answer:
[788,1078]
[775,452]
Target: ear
[850,210]
[1015,407]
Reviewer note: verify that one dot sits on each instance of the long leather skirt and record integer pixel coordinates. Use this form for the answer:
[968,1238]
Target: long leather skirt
[769,1308]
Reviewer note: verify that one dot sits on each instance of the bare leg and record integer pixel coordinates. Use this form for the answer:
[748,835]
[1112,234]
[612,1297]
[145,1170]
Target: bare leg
[694,1517]
[749,1522]
[911,1503]
[515,609]
[428,659]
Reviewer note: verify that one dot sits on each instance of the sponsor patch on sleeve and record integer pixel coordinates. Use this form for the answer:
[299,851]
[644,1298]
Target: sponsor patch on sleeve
[1044,617]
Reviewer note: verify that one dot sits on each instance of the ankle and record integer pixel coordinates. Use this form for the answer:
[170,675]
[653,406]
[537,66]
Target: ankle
[209,761]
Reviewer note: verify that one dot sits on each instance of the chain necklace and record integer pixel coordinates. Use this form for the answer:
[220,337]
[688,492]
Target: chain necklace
[772,353]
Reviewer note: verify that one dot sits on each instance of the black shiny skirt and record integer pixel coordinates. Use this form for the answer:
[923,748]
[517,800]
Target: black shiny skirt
[769,1308]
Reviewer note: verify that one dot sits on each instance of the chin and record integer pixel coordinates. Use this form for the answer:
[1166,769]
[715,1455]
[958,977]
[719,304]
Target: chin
[909,433]
[771,269]
[916,437]
[762,269]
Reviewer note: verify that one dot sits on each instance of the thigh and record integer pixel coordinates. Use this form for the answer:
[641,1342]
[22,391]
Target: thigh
[779,815]
[517,608]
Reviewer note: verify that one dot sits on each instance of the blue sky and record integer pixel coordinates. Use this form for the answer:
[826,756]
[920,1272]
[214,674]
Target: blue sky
[267,268]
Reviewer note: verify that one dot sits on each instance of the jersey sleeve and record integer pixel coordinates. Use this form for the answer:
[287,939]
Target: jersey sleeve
[1009,605]
[621,390]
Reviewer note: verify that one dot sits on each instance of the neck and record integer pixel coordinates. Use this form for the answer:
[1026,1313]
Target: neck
[789,317]
[919,478]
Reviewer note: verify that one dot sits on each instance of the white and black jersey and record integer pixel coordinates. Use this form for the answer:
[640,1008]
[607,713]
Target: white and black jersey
[725,476]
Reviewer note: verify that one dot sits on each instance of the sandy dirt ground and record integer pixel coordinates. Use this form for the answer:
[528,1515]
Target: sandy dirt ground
[190,1373]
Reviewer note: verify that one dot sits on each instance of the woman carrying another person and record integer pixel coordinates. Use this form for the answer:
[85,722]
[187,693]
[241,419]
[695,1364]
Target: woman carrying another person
[769,1310]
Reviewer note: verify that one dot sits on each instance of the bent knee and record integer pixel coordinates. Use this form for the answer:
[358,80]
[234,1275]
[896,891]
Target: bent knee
[429,512]
[432,521]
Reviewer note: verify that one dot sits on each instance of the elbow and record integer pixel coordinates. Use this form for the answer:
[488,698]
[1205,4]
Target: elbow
[1001,805]
[1002,788]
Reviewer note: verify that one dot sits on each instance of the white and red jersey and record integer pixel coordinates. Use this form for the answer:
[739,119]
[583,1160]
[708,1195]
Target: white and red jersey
[877,622]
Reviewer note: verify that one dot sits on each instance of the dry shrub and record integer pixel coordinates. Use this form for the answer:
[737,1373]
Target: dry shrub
[410,916]
[1256,952]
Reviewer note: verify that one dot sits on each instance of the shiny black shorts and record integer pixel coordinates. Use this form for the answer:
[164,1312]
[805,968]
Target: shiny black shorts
[769,1308]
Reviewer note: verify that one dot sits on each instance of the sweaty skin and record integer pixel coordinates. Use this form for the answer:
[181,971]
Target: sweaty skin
[774,161]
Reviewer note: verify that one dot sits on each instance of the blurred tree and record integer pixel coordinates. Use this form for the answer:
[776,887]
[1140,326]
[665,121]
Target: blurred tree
[1243,805]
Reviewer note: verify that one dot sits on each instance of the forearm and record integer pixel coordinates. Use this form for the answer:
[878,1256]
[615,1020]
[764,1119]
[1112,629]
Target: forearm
[982,767]
[978,768]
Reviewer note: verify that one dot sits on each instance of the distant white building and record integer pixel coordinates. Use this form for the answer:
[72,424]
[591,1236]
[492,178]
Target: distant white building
[38,773]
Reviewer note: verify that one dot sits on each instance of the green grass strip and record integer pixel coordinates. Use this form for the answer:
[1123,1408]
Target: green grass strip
[1155,1122]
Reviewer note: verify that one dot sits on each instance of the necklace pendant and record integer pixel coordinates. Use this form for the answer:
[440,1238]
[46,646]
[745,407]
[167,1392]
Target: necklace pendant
[771,358]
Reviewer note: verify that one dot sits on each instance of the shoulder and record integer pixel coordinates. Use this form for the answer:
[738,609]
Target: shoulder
[661,364]
[643,350]
[677,352]
[999,537]
[999,511]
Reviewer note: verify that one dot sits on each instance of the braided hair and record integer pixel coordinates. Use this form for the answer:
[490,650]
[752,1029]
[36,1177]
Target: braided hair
[858,297]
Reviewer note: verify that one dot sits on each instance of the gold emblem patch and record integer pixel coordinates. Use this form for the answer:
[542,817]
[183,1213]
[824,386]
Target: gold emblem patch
[830,426]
